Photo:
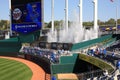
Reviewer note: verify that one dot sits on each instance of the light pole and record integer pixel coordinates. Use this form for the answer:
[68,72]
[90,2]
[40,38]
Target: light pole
[80,13]
[10,17]
[66,15]
[95,2]
[52,14]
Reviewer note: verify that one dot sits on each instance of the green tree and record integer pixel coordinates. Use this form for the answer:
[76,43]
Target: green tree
[100,23]
[118,21]
[111,21]
[4,24]
[87,24]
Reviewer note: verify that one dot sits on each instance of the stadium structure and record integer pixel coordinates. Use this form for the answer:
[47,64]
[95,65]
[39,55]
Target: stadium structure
[62,61]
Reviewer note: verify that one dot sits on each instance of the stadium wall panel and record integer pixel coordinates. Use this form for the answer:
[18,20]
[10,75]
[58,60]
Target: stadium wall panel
[66,64]
[10,47]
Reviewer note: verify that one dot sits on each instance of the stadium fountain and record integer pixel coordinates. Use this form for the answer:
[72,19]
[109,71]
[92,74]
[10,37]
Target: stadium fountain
[74,34]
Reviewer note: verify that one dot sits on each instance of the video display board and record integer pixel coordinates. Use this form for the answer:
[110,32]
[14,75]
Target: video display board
[26,16]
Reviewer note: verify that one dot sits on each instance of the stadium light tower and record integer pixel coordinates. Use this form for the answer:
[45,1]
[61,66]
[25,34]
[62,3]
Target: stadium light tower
[10,17]
[66,15]
[52,14]
[80,13]
[95,3]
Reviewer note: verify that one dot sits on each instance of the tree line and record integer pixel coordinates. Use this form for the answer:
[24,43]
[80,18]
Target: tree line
[5,24]
[110,22]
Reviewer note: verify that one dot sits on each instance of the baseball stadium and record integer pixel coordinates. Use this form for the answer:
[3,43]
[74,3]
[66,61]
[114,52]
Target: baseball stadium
[31,55]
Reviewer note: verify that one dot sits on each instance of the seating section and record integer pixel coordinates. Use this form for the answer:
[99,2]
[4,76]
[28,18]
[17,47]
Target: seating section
[104,40]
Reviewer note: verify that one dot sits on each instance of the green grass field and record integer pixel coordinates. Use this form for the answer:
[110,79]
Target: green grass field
[14,70]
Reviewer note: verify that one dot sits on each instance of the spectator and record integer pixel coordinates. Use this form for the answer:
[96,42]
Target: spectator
[53,78]
[118,65]
[88,52]
[104,52]
[113,54]
[92,52]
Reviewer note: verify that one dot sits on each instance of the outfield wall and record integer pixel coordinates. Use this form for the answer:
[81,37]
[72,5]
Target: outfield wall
[66,64]
[10,47]
[71,64]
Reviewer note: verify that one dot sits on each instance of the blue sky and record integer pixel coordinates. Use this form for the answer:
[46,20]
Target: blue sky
[106,9]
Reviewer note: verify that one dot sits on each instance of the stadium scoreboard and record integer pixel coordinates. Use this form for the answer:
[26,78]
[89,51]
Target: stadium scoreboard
[26,15]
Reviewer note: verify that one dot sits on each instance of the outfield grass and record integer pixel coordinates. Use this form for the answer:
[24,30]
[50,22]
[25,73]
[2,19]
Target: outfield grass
[14,70]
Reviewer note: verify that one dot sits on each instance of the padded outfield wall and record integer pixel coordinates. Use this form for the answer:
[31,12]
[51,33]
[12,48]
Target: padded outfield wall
[10,47]
[66,64]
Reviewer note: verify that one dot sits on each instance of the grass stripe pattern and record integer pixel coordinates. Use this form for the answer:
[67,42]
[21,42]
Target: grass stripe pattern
[14,70]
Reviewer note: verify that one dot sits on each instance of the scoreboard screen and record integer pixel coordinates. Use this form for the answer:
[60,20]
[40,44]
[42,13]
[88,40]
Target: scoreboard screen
[26,15]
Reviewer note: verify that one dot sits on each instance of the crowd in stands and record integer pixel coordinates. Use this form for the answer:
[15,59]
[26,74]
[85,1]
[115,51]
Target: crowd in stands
[115,47]
[97,51]
[109,54]
[52,55]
